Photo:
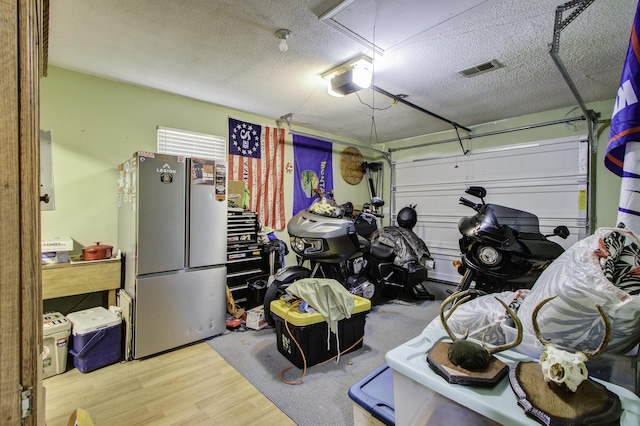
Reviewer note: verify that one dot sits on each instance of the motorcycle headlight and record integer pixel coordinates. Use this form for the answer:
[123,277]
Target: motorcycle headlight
[489,255]
[306,245]
[297,244]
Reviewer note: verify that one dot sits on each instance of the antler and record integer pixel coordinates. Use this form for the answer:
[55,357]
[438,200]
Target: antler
[443,318]
[462,297]
[605,339]
[516,341]
[534,320]
[590,354]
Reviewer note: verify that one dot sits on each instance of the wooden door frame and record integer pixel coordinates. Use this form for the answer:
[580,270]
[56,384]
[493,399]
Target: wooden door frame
[21,61]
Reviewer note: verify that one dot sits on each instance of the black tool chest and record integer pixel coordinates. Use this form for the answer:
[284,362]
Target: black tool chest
[245,257]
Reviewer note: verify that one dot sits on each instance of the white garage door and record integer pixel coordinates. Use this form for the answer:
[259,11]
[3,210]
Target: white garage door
[547,178]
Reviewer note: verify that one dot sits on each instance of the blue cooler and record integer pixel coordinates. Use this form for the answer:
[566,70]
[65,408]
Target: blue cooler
[373,396]
[96,338]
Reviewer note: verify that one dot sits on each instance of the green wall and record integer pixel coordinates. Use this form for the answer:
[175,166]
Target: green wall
[97,124]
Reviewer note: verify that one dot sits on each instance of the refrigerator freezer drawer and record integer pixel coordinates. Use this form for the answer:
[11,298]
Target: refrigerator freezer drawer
[175,309]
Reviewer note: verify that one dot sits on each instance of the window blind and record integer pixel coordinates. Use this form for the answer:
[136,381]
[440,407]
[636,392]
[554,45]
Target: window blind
[191,144]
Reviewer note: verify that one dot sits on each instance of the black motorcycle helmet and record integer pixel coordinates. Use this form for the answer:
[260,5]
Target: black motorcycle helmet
[407,217]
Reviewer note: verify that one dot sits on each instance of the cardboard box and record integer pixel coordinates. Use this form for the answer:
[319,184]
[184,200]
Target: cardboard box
[256,319]
[80,417]
[236,191]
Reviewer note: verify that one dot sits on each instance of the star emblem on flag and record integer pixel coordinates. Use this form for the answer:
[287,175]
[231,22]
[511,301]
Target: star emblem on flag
[245,139]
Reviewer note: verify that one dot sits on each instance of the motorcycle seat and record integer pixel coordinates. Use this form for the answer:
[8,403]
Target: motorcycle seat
[382,251]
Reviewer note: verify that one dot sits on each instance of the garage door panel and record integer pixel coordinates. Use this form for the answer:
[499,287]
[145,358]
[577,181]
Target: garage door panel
[546,178]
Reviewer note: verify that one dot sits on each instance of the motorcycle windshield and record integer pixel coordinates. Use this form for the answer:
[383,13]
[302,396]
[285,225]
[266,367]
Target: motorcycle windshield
[325,207]
[497,216]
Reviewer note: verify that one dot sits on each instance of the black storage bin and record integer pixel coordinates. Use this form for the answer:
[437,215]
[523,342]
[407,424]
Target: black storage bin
[311,333]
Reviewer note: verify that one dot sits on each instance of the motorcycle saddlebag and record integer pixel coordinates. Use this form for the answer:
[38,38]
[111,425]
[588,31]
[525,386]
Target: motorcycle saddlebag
[409,278]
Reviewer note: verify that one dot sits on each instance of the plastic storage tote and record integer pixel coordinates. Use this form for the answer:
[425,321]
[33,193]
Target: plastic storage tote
[56,331]
[310,330]
[421,395]
[96,338]
[373,398]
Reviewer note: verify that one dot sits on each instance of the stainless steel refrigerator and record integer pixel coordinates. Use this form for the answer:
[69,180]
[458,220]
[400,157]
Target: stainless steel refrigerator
[172,227]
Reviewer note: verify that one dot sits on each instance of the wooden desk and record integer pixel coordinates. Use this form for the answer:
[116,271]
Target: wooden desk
[68,279]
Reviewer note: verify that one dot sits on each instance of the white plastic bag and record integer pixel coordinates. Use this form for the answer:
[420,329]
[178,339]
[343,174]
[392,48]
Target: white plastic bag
[482,315]
[572,320]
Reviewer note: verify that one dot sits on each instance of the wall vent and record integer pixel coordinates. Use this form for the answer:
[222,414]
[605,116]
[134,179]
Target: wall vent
[479,69]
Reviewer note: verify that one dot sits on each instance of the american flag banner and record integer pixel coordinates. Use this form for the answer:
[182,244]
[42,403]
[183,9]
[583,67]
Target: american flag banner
[622,155]
[256,156]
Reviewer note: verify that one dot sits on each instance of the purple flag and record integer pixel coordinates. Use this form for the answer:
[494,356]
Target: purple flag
[313,170]
[625,121]
[622,155]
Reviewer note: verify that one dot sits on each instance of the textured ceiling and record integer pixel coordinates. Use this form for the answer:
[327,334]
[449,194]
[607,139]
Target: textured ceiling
[226,52]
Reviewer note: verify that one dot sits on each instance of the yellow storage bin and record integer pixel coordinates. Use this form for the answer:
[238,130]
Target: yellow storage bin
[310,331]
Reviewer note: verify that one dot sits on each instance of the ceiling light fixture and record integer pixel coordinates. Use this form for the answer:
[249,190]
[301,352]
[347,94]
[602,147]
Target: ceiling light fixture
[283,35]
[355,74]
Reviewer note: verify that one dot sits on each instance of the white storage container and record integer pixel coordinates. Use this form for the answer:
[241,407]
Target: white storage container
[420,395]
[56,330]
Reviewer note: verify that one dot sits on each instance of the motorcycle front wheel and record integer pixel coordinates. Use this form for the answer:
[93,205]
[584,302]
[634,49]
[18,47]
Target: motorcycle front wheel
[274,291]
[278,285]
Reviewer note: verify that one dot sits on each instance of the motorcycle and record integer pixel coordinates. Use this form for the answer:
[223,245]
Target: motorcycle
[502,248]
[338,244]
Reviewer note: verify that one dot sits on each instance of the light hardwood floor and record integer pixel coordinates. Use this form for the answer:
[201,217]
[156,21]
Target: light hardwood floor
[192,385]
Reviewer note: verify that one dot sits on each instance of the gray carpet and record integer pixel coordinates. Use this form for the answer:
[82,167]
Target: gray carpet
[322,398]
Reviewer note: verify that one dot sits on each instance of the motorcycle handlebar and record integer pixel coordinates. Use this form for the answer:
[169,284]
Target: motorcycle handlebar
[469,203]
[370,213]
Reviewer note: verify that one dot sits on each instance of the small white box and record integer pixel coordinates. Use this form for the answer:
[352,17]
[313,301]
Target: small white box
[55,257]
[54,244]
[256,319]
[55,249]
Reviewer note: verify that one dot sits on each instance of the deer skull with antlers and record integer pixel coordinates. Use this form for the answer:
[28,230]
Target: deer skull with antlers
[561,367]
[467,354]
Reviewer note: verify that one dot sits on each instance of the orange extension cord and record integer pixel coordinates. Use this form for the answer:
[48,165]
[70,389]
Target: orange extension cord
[296,305]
